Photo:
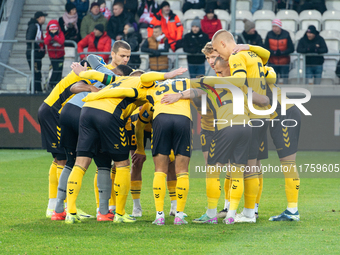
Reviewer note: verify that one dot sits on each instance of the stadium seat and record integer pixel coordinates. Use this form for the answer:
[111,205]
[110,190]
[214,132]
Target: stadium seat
[333,5]
[263,33]
[190,15]
[243,5]
[329,77]
[240,15]
[331,20]
[175,5]
[263,19]
[289,19]
[144,62]
[269,5]
[292,35]
[179,14]
[299,34]
[224,17]
[144,32]
[310,17]
[332,38]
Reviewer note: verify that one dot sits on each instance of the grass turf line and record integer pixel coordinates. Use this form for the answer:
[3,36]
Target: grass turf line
[24,228]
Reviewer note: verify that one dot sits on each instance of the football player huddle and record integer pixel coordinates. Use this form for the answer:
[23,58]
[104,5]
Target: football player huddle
[108,112]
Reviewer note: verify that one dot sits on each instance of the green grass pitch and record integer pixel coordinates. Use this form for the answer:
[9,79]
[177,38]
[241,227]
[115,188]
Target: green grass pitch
[25,230]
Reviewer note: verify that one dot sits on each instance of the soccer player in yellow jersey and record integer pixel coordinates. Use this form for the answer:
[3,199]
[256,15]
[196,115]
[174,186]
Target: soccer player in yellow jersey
[102,134]
[48,115]
[246,68]
[286,142]
[141,125]
[220,149]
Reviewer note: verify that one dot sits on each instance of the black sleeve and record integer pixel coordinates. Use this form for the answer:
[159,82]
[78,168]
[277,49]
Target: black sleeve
[290,46]
[188,46]
[323,46]
[145,48]
[141,8]
[259,41]
[301,48]
[110,29]
[62,24]
[31,32]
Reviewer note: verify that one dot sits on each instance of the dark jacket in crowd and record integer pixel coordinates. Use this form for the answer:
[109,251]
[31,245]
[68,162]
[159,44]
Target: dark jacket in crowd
[194,43]
[133,39]
[34,32]
[310,46]
[254,39]
[280,46]
[154,7]
[115,25]
[156,61]
[69,30]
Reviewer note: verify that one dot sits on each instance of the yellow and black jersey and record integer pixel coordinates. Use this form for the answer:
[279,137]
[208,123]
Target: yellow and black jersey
[250,63]
[271,78]
[121,105]
[142,114]
[155,94]
[143,123]
[61,93]
[207,119]
[222,108]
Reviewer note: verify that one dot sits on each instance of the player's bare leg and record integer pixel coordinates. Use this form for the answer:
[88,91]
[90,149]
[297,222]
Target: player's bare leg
[136,186]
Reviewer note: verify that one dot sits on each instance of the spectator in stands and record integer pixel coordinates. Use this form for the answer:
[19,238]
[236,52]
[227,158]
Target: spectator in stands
[210,23]
[256,5]
[312,42]
[219,4]
[193,43]
[92,19]
[193,4]
[82,7]
[118,20]
[130,6]
[55,40]
[250,35]
[96,41]
[280,45]
[34,32]
[288,4]
[68,24]
[156,44]
[318,5]
[170,23]
[103,9]
[146,11]
[133,38]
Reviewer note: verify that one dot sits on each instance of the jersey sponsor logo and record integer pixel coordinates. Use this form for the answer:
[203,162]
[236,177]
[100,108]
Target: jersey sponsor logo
[116,146]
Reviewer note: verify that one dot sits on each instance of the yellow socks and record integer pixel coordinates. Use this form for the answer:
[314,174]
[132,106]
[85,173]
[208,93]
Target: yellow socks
[73,187]
[159,190]
[122,187]
[172,189]
[136,187]
[52,181]
[251,189]
[292,183]
[227,183]
[182,189]
[59,170]
[96,192]
[112,200]
[213,188]
[236,189]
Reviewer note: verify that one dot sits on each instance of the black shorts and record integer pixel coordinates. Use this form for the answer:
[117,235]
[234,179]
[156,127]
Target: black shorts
[286,139]
[230,143]
[263,150]
[258,134]
[132,138]
[170,131]
[206,138]
[69,123]
[50,129]
[100,130]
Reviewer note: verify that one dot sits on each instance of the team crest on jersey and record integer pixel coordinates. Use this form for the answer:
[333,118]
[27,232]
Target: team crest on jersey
[145,114]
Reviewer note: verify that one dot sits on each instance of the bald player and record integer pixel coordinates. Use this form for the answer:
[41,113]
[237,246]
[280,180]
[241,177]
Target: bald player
[246,69]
